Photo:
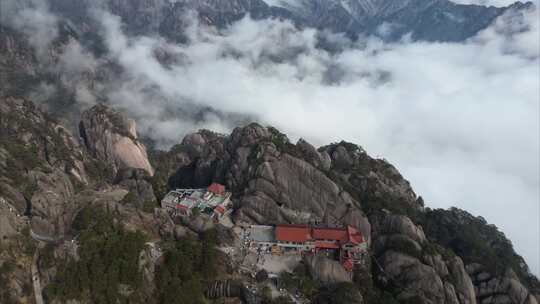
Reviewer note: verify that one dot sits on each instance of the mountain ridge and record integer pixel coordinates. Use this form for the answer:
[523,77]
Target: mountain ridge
[448,21]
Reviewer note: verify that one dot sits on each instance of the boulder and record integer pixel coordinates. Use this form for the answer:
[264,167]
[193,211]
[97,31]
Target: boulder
[403,225]
[413,278]
[137,182]
[112,138]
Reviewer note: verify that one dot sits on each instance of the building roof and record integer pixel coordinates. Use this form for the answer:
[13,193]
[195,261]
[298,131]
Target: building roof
[216,188]
[334,234]
[219,209]
[326,245]
[293,233]
[262,233]
[348,264]
[304,233]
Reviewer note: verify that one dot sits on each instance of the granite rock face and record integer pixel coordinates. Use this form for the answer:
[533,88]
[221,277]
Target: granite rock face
[137,182]
[374,180]
[41,164]
[270,179]
[112,138]
[401,251]
[504,289]
[327,271]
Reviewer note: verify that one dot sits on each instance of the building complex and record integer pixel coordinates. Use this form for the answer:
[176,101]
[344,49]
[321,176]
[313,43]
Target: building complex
[345,244]
[213,201]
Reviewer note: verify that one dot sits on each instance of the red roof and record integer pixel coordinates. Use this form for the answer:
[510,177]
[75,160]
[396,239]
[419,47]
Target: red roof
[216,188]
[348,265]
[334,234]
[219,209]
[293,233]
[303,233]
[178,206]
[326,245]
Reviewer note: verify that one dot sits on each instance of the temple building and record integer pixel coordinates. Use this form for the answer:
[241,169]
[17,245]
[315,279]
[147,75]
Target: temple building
[213,201]
[345,244]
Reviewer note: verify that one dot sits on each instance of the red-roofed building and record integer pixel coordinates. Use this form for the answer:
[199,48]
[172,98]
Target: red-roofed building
[330,234]
[348,264]
[216,188]
[293,234]
[213,201]
[219,211]
[348,241]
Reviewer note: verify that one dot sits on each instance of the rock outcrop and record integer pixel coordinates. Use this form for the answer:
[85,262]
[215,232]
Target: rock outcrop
[406,262]
[326,270]
[498,274]
[273,180]
[112,138]
[373,181]
[41,166]
[503,289]
[137,182]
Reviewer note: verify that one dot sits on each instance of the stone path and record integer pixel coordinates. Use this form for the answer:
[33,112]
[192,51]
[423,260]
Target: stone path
[35,279]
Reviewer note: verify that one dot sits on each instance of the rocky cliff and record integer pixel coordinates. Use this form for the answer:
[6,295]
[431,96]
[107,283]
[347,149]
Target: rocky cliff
[275,181]
[112,138]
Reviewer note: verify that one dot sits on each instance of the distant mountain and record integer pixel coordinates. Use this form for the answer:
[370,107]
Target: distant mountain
[430,20]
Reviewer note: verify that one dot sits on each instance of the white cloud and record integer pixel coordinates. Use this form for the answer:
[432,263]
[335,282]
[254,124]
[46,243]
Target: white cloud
[33,19]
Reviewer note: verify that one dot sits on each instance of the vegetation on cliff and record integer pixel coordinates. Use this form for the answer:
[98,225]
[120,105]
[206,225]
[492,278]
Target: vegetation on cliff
[108,260]
[188,265]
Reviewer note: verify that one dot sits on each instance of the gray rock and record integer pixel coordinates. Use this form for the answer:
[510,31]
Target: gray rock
[413,278]
[403,225]
[327,270]
[112,138]
[318,159]
[437,263]
[506,289]
[462,282]
[137,182]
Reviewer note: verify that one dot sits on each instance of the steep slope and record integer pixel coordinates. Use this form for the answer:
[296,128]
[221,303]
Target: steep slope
[42,165]
[50,188]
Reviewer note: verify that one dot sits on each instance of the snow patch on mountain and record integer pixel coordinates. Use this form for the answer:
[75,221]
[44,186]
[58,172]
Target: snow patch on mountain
[284,3]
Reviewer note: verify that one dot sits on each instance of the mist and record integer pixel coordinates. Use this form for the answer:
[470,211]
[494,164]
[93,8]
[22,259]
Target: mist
[459,120]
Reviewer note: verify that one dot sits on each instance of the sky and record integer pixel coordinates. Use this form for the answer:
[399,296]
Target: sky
[459,120]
